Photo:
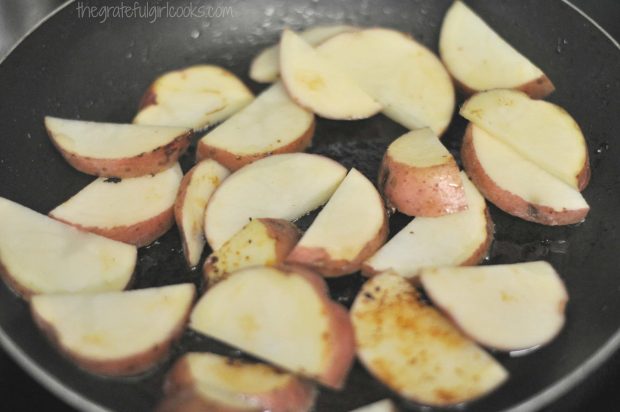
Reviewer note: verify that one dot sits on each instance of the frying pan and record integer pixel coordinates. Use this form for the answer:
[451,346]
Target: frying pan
[79,68]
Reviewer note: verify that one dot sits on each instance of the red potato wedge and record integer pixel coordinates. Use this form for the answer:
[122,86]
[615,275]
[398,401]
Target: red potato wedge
[262,242]
[285,186]
[319,85]
[229,384]
[504,307]
[117,150]
[283,316]
[539,131]
[42,255]
[113,333]
[518,186]
[384,405]
[195,191]
[419,176]
[265,67]
[271,124]
[406,78]
[196,97]
[412,349]
[479,59]
[136,210]
[349,229]
[461,238]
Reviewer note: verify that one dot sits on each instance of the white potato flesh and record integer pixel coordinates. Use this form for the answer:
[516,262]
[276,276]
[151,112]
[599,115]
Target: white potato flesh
[265,67]
[477,56]
[270,122]
[42,255]
[285,186]
[436,241]
[384,405]
[523,178]
[540,131]
[415,351]
[114,325]
[506,307]
[320,85]
[353,218]
[206,177]
[419,148]
[406,78]
[105,204]
[195,97]
[109,140]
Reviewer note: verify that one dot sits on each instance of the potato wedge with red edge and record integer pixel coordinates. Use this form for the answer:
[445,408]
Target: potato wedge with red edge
[349,229]
[114,333]
[516,185]
[461,238]
[539,131]
[504,307]
[262,242]
[283,316]
[117,150]
[196,97]
[406,78]
[43,255]
[135,210]
[265,67]
[419,176]
[384,405]
[319,85]
[271,124]
[479,59]
[412,349]
[222,383]
[285,186]
[195,191]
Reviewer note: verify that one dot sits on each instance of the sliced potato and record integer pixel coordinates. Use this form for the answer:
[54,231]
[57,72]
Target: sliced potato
[135,210]
[283,316]
[419,176]
[319,85]
[406,78]
[518,186]
[285,186]
[262,242]
[461,238]
[117,150]
[265,67]
[539,131]
[479,59]
[350,228]
[219,383]
[271,124]
[505,307]
[416,352]
[195,191]
[42,255]
[384,405]
[113,333]
[196,97]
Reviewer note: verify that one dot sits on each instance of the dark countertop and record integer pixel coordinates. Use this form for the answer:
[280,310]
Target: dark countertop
[599,392]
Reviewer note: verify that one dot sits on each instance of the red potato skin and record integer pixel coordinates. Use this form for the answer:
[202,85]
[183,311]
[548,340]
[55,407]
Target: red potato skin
[139,234]
[536,89]
[233,161]
[507,201]
[422,191]
[128,366]
[152,162]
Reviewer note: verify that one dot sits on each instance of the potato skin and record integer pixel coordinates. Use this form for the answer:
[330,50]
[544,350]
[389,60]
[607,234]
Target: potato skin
[233,161]
[507,201]
[422,191]
[152,162]
[536,89]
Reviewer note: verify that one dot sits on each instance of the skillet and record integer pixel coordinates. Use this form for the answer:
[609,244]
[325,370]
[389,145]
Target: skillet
[76,67]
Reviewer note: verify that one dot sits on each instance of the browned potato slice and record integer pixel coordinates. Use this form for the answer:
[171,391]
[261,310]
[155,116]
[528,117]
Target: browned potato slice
[419,176]
[262,242]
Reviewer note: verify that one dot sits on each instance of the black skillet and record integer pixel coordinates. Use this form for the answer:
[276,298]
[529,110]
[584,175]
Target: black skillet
[80,68]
